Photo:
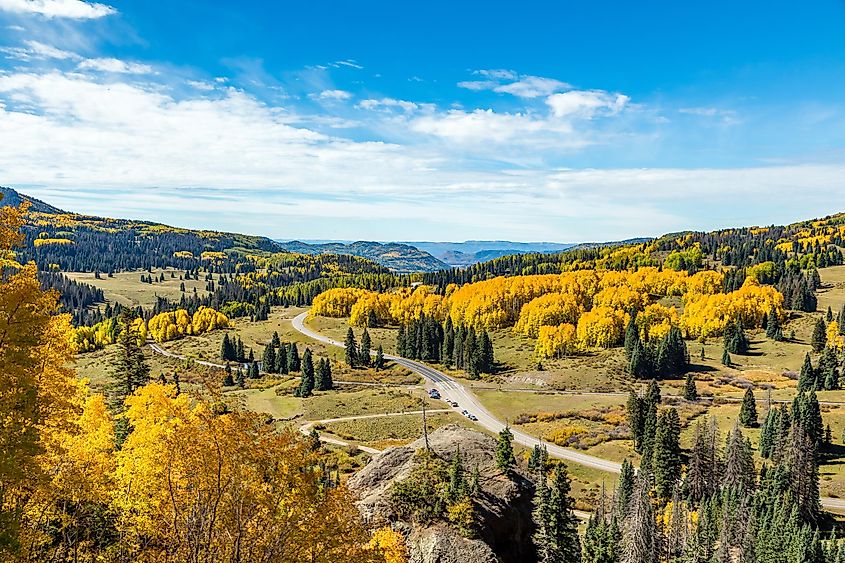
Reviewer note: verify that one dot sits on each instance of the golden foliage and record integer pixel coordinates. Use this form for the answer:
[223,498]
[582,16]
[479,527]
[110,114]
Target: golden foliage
[556,341]
[551,309]
[51,241]
[173,325]
[602,327]
[708,315]
[390,544]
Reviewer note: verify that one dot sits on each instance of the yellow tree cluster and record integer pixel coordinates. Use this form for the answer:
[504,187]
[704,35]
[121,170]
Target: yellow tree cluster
[655,320]
[708,315]
[172,325]
[834,339]
[548,310]
[602,327]
[398,307]
[189,484]
[557,341]
[337,302]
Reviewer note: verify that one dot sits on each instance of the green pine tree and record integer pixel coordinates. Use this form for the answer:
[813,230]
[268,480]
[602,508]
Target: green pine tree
[364,351]
[819,338]
[690,390]
[379,358]
[748,410]
[505,459]
[306,384]
[351,349]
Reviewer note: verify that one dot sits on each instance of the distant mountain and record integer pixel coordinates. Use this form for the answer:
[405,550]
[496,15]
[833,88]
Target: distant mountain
[400,258]
[13,198]
[474,251]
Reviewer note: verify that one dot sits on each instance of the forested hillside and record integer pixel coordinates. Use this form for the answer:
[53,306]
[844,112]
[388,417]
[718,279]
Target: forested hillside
[400,258]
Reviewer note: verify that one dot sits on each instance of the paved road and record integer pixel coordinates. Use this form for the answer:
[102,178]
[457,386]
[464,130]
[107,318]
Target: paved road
[451,389]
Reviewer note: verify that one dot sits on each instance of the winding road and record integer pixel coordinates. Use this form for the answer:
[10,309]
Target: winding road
[451,389]
[455,391]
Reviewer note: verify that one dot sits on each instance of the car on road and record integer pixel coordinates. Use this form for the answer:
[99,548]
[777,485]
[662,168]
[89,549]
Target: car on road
[473,418]
[464,412]
[434,394]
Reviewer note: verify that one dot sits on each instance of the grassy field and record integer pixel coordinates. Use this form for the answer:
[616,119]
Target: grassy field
[126,287]
[832,292]
[381,433]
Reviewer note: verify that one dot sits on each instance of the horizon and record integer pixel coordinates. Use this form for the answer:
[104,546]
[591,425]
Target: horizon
[356,125]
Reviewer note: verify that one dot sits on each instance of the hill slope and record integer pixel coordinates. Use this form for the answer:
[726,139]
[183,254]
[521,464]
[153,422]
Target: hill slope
[401,258]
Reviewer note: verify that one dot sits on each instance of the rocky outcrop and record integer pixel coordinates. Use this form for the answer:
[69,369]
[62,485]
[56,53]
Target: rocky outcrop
[503,506]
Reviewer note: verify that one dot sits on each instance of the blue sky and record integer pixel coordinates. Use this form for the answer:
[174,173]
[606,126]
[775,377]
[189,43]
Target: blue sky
[550,121]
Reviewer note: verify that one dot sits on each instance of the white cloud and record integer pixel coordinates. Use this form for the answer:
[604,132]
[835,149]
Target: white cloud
[532,87]
[387,104]
[114,66]
[509,82]
[334,95]
[73,9]
[586,103]
[35,50]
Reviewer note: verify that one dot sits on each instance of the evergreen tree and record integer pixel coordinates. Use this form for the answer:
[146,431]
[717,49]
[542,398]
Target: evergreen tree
[667,453]
[625,488]
[829,316]
[293,358]
[268,359]
[538,459]
[505,459]
[239,378]
[457,486]
[807,376]
[819,338]
[239,351]
[379,358]
[842,320]
[276,341]
[773,329]
[739,474]
[748,410]
[306,384]
[228,380]
[564,526]
[324,376]
[726,358]
[128,373]
[632,336]
[372,319]
[690,390]
[282,359]
[351,349]
[253,370]
[227,351]
[364,352]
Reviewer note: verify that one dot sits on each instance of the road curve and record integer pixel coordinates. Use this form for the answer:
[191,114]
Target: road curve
[451,389]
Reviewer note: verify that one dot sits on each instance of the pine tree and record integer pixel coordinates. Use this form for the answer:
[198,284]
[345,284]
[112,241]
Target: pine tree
[306,384]
[228,380]
[773,329]
[253,370]
[379,358]
[690,390]
[457,487]
[748,410]
[282,359]
[324,376]
[475,482]
[276,341]
[293,358]
[807,376]
[351,349]
[564,523]
[363,356]
[239,378]
[538,459]
[636,419]
[632,336]
[372,319]
[128,373]
[667,453]
[505,459]
[239,351]
[542,517]
[739,472]
[726,358]
[268,359]
[819,338]
[625,488]
[829,316]
[842,320]
[227,352]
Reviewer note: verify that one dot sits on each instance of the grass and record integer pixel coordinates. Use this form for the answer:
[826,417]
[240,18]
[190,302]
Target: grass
[334,404]
[337,328]
[126,288]
[390,431]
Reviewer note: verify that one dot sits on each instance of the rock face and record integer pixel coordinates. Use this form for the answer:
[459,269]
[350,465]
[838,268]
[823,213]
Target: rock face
[503,506]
